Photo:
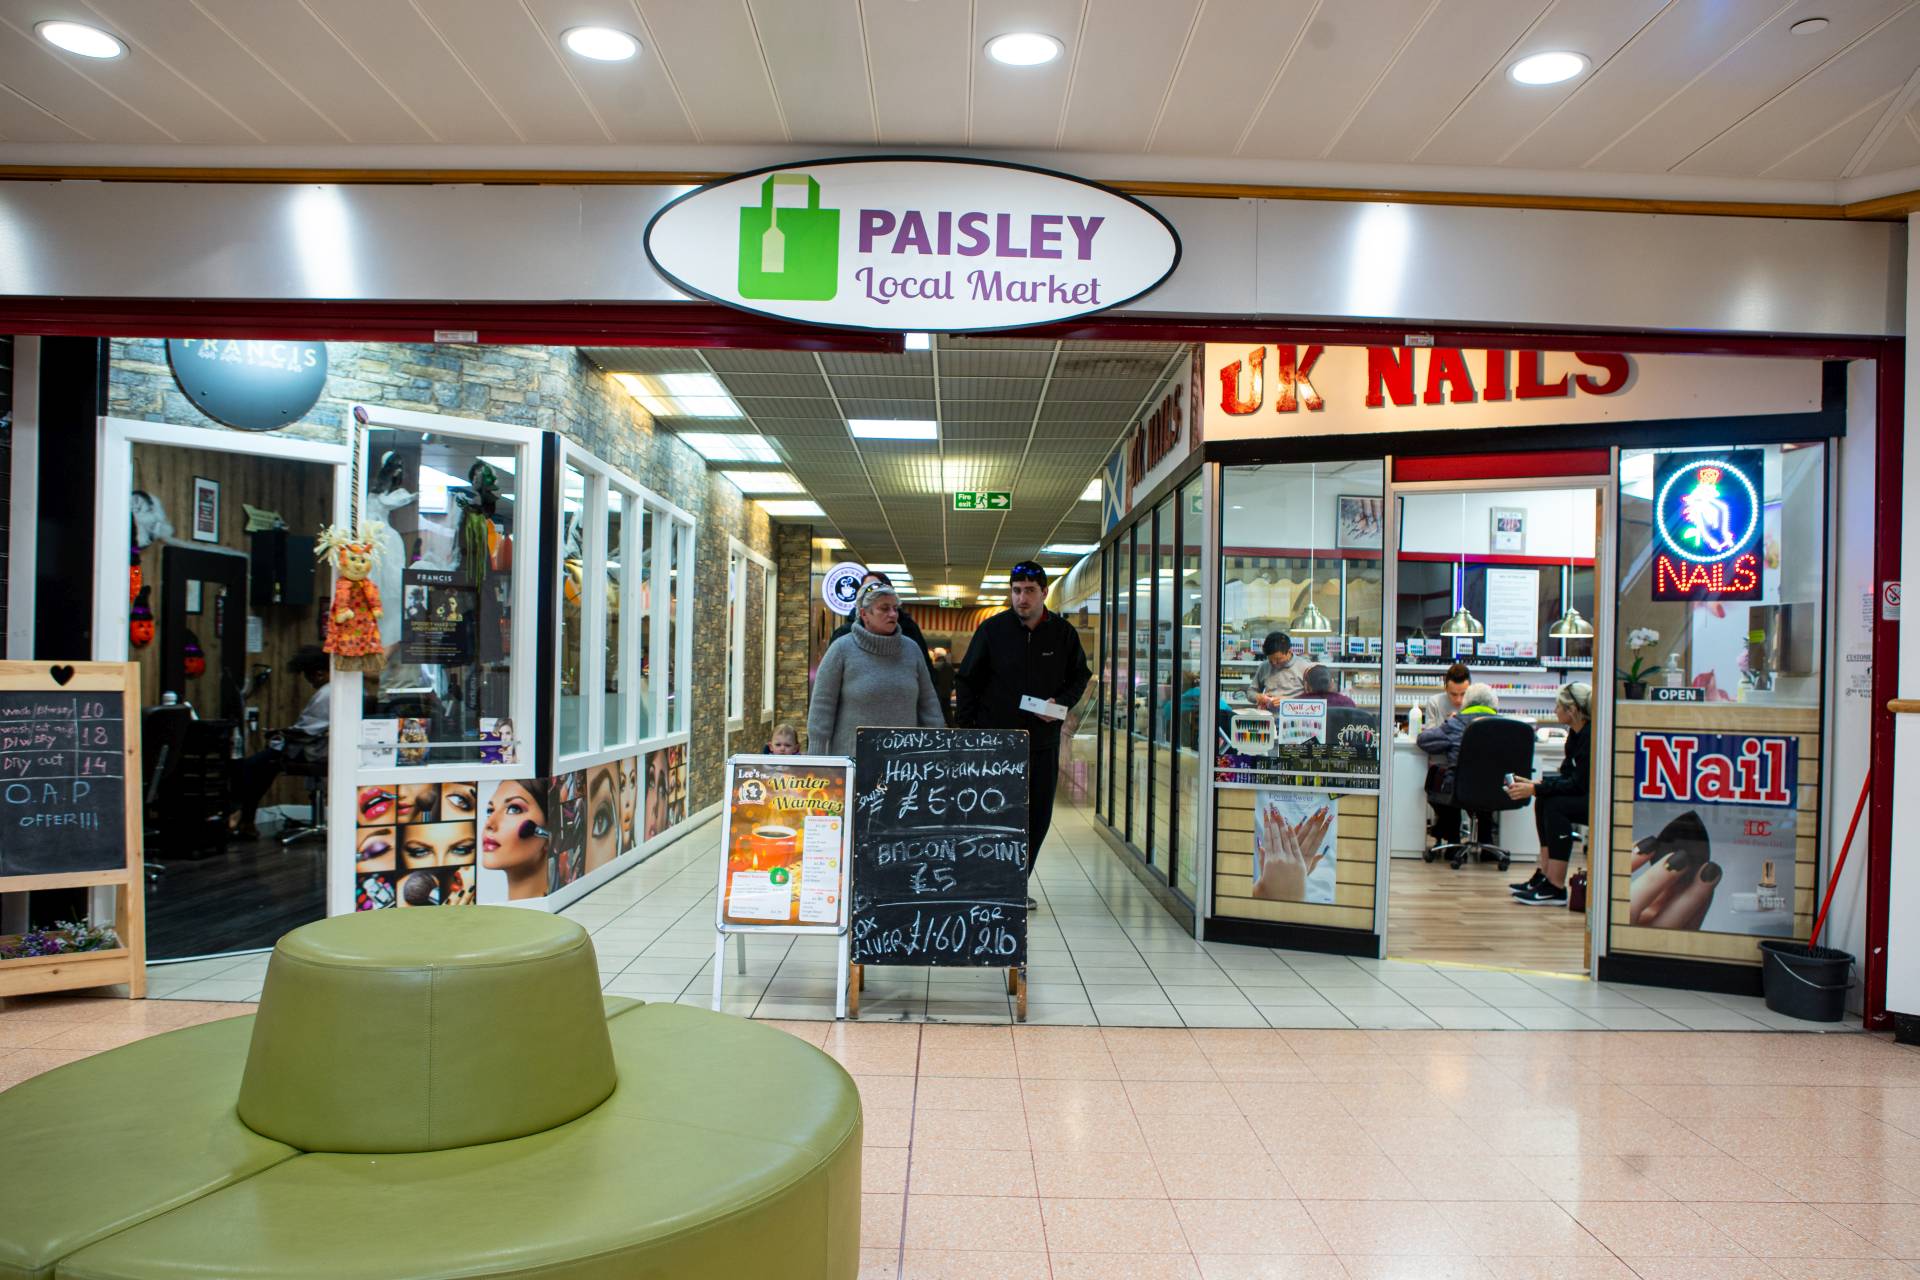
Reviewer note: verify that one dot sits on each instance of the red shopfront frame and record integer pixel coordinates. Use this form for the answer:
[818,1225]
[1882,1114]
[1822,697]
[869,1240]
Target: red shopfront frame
[707,325]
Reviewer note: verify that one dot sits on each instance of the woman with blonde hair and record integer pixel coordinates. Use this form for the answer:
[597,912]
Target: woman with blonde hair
[1560,800]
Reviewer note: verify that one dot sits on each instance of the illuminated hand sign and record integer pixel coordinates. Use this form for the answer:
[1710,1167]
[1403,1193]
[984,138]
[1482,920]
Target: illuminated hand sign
[1707,511]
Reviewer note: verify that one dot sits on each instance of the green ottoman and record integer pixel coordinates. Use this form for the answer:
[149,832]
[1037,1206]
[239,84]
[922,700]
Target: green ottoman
[439,1094]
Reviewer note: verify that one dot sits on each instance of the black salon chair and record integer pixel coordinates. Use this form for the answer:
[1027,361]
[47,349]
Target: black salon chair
[185,763]
[1492,748]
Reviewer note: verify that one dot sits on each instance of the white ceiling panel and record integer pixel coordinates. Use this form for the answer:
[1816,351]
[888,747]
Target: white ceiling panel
[296,48]
[817,56]
[34,72]
[1499,112]
[1224,73]
[21,121]
[1900,148]
[522,68]
[1459,44]
[1325,74]
[1878,62]
[1012,106]
[1826,156]
[1125,60]
[715,58]
[408,56]
[919,58]
[635,100]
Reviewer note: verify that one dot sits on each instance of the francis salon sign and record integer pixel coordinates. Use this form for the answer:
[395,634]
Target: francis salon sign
[947,246]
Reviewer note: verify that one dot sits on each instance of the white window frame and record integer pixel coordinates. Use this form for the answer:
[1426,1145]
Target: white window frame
[739,556]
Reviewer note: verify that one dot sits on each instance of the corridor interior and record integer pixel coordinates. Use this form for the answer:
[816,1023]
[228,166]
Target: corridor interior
[1101,952]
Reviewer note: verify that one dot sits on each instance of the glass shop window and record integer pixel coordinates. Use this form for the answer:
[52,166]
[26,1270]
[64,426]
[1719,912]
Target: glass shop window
[678,570]
[444,507]
[641,615]
[614,729]
[573,599]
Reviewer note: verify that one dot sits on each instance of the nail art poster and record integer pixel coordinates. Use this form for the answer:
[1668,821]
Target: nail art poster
[1715,830]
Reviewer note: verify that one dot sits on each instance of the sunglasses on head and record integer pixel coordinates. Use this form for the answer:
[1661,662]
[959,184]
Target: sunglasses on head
[1027,569]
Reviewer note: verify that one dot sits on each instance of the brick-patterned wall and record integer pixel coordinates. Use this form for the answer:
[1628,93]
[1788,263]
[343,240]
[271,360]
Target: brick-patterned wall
[555,389]
[793,561]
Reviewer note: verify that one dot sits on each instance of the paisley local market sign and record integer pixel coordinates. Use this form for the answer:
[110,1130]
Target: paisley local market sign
[945,246]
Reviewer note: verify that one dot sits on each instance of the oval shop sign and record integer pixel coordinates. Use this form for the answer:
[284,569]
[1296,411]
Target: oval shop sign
[255,386]
[945,246]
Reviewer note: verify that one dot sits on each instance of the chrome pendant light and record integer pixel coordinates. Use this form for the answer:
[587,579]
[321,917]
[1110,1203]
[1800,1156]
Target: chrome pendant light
[1463,625]
[1311,621]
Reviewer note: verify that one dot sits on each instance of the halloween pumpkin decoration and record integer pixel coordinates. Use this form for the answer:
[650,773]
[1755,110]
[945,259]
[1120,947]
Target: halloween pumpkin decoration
[140,620]
[136,576]
[195,658]
[353,621]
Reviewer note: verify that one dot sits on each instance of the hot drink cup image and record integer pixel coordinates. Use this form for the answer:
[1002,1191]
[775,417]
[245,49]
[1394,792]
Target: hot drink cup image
[773,846]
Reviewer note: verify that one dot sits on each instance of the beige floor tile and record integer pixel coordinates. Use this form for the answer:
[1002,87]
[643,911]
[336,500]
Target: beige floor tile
[1001,1223]
[1706,1178]
[1071,1095]
[1260,1066]
[1604,1267]
[940,1171]
[24,1064]
[1534,1229]
[1070,1064]
[1386,1227]
[1196,1176]
[1230,1135]
[1180,1098]
[1112,1226]
[1590,1178]
[1250,1226]
[1337,1175]
[971,1130]
[1466,1177]
[1272,1266]
[1124,1266]
[1842,1180]
[880,1264]
[1663,1229]
[880,1213]
[961,1037]
[1701,1268]
[1842,1268]
[886,1091]
[972,1264]
[1084,1131]
[1112,1175]
[938,1060]
[1390,1267]
[883,1170]
[1787,1231]
[886,1126]
[967,1093]
[1893,1227]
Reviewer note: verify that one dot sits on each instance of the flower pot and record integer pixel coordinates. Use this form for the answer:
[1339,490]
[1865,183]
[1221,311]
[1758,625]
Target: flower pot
[1633,690]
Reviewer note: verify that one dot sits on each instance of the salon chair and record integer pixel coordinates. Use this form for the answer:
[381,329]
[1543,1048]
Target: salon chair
[1492,748]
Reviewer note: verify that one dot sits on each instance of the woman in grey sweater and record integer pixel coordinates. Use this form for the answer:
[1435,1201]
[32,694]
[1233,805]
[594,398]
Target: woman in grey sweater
[872,677]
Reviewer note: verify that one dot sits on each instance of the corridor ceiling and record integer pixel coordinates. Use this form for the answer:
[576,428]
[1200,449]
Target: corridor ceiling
[1677,88]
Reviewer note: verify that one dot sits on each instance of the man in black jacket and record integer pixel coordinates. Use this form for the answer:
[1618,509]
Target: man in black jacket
[1025,651]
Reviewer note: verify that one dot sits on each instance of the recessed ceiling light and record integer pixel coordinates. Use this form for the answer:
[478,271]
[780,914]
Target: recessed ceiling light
[1069,548]
[893,429]
[602,44]
[717,446]
[752,482]
[792,508]
[919,341]
[1023,49]
[1808,27]
[1092,492]
[78,37]
[1547,68]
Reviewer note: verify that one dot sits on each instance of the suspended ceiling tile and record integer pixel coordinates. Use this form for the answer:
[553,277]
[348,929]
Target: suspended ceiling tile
[520,66]
[1022,106]
[1142,362]
[1878,63]
[634,100]
[1499,112]
[412,63]
[1127,53]
[1023,391]
[888,364]
[870,387]
[1325,74]
[868,408]
[1225,72]
[1658,63]
[1016,412]
[919,58]
[740,360]
[1032,362]
[645,359]
[714,56]
[1438,66]
[789,386]
[817,56]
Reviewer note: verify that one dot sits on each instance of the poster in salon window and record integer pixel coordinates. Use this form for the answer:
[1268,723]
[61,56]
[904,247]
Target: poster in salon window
[1293,845]
[1715,830]
[1513,614]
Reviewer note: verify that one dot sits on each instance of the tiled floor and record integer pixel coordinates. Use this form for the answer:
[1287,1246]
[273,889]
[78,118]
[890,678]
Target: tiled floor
[1100,952]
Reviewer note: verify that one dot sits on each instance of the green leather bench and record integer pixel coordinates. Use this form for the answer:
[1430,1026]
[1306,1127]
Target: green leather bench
[437,1094]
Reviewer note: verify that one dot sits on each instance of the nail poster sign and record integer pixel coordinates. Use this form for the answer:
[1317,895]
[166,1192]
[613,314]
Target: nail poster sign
[1715,826]
[1293,845]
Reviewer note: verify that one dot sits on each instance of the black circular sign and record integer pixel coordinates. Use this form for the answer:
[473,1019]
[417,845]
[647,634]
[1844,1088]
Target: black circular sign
[255,386]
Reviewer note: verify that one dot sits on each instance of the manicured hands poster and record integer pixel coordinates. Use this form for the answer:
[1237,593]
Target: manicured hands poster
[786,842]
[1714,828]
[1293,845]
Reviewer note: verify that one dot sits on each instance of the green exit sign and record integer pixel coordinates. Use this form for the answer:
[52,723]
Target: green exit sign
[983,500]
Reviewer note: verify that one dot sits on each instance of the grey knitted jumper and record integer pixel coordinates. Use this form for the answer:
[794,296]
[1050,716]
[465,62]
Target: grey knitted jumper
[869,681]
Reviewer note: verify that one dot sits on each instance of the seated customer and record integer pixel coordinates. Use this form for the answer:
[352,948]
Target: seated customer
[1320,686]
[253,775]
[1278,675]
[1441,742]
[1559,800]
[1452,695]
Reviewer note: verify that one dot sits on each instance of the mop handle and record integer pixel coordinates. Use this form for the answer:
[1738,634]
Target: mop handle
[1834,883]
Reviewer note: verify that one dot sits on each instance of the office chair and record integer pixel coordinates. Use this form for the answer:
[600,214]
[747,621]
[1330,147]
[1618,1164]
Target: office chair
[1491,748]
[306,757]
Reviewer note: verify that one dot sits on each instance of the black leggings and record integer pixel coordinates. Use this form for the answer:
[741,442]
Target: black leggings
[1554,817]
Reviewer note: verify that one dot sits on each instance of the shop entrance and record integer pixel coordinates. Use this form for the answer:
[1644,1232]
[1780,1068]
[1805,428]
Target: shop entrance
[1495,624]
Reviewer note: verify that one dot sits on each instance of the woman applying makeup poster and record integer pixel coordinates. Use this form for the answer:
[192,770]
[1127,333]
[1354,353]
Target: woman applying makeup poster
[516,836]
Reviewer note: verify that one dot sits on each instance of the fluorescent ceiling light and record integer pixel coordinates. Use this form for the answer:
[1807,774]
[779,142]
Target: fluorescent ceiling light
[680,395]
[919,341]
[1023,49]
[79,38]
[503,465]
[717,446]
[1547,68]
[792,508]
[602,44]
[893,429]
[830,544]
[764,481]
[1069,548]
[682,385]
[650,397]
[886,568]
[1092,492]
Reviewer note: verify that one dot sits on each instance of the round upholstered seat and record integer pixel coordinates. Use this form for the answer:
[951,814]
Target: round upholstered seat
[414,1030]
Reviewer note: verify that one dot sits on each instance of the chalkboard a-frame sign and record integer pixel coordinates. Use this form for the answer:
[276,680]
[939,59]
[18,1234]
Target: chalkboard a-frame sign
[70,814]
[940,852]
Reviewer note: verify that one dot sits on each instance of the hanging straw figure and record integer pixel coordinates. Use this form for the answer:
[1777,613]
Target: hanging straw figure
[353,622]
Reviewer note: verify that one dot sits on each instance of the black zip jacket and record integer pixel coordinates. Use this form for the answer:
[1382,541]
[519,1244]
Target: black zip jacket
[1006,661]
[1572,777]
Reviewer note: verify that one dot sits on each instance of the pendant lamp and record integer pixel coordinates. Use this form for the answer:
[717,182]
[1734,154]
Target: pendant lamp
[1311,621]
[1570,625]
[1463,625]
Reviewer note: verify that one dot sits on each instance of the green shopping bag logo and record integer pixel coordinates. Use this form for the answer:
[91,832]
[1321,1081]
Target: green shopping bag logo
[789,252]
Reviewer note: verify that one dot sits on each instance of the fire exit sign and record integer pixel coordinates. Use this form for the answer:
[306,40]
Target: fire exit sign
[983,500]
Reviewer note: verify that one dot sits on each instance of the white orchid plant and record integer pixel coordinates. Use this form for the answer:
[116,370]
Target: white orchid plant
[1639,640]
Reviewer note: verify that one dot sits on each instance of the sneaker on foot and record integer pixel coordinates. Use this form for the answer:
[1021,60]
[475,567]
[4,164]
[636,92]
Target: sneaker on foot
[1544,895]
[1532,882]
[1032,905]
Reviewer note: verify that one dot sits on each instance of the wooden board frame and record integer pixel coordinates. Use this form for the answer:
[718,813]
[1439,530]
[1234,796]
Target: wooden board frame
[126,963]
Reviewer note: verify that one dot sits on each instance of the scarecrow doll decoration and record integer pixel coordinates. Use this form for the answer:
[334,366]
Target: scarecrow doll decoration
[353,621]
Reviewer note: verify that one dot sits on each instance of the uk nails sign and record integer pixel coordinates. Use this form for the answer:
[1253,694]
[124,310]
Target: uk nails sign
[1715,768]
[907,244]
[1406,376]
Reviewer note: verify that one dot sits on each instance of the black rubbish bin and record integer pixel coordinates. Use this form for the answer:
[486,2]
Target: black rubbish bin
[1804,981]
